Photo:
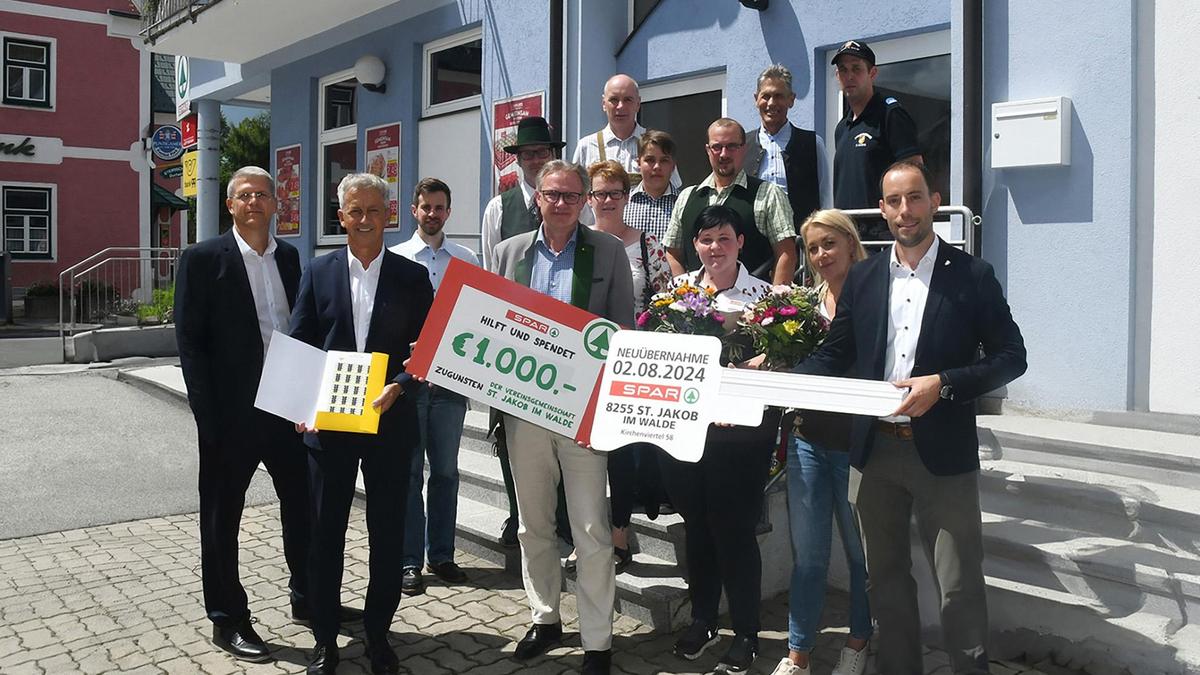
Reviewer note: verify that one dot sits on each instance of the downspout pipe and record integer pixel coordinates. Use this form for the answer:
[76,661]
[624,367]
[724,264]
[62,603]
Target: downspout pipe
[972,16]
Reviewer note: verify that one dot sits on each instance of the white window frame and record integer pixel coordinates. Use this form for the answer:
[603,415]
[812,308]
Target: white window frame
[919,46]
[686,86]
[326,138]
[428,109]
[52,72]
[53,229]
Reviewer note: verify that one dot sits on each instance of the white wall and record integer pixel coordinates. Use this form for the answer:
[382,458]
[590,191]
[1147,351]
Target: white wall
[1174,382]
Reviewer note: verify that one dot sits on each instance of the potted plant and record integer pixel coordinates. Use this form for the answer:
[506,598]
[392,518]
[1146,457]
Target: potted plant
[41,300]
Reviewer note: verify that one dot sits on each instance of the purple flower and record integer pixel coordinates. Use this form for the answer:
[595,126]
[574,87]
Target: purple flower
[788,310]
[642,319]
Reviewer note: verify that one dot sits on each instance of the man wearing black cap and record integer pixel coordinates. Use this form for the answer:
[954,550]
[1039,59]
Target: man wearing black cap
[876,132]
[510,213]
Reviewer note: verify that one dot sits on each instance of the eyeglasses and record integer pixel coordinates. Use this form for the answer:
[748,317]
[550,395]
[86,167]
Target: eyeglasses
[540,153]
[247,196]
[553,196]
[718,148]
[601,195]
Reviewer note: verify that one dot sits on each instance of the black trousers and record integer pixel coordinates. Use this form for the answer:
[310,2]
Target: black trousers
[227,464]
[332,474]
[720,498]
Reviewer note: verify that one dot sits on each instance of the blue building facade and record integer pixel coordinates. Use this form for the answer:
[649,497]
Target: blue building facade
[1068,242]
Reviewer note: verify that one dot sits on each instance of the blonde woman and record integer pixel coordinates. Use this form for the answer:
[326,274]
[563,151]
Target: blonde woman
[818,475]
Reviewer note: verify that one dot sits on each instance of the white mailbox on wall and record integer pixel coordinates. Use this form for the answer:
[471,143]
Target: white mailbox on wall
[1036,132]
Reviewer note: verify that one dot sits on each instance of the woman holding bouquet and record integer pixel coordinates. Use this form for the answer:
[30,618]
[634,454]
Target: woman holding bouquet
[720,497]
[818,472]
[651,274]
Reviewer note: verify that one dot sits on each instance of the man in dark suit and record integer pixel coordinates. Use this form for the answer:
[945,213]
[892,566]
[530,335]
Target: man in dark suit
[230,294]
[917,316]
[362,298]
[782,153]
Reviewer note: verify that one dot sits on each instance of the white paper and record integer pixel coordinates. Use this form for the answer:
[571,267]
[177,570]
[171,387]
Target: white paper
[291,379]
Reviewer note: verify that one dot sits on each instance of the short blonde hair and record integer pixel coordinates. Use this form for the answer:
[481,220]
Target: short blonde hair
[609,170]
[835,220]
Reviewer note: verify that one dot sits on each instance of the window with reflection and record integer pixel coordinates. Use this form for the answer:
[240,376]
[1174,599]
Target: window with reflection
[338,160]
[455,72]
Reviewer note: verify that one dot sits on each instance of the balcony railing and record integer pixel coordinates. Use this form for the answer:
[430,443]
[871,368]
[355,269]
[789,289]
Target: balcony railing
[160,16]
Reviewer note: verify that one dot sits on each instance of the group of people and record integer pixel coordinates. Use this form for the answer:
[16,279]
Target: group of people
[604,233]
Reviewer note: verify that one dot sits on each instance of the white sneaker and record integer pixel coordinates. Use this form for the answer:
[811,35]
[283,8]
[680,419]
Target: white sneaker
[851,662]
[786,667]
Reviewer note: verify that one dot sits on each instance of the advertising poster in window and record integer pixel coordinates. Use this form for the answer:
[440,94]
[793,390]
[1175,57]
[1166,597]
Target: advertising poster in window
[506,115]
[383,160]
[287,191]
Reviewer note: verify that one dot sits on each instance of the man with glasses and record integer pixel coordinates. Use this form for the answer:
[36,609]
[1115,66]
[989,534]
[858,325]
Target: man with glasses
[590,270]
[231,293]
[510,213]
[769,252]
[875,132]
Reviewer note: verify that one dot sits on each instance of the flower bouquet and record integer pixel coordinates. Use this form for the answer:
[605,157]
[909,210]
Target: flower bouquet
[785,325]
[687,309]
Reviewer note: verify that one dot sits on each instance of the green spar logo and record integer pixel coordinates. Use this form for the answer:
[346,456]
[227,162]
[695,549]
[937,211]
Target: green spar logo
[596,337]
[691,395]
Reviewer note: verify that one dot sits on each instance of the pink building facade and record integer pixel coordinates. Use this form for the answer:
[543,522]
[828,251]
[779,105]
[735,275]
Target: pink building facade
[74,176]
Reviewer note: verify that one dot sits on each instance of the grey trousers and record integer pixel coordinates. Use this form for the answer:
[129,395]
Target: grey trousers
[892,487]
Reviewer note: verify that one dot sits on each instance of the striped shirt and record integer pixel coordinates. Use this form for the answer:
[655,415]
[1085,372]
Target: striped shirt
[552,271]
[772,212]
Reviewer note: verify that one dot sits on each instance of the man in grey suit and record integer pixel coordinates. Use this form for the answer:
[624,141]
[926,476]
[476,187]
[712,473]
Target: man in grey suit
[590,270]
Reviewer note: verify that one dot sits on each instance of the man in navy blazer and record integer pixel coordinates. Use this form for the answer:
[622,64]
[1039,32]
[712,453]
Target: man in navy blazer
[231,292]
[362,298]
[919,316]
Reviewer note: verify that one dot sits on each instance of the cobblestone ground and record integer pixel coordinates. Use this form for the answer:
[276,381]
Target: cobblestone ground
[127,598]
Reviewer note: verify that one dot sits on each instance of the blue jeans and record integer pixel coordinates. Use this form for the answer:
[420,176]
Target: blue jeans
[817,483]
[440,413]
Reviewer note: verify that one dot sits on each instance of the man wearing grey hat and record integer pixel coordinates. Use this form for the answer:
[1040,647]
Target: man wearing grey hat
[876,132]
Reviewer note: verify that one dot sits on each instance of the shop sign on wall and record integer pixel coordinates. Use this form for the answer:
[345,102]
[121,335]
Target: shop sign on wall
[506,114]
[287,191]
[383,160]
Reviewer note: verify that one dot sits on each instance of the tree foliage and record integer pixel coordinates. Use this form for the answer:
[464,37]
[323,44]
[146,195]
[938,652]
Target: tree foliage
[247,143]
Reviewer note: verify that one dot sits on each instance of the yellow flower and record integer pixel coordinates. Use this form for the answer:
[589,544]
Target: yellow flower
[791,326]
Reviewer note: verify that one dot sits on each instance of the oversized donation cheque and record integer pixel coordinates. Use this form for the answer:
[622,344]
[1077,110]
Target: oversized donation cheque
[566,370]
[327,391]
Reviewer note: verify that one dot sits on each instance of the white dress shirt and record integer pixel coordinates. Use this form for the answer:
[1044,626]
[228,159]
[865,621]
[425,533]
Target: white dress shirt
[907,293]
[270,298]
[490,229]
[434,260]
[363,284]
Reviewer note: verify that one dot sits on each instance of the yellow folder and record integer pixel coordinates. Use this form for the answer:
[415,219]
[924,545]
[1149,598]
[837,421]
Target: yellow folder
[345,404]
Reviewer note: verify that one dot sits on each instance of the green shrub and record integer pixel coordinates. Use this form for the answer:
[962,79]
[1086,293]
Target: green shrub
[41,289]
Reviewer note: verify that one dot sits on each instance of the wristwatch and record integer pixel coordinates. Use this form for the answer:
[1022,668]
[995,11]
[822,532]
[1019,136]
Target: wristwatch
[946,392]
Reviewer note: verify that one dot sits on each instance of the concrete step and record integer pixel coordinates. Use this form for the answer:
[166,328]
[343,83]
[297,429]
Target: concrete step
[652,590]
[1160,457]
[1095,503]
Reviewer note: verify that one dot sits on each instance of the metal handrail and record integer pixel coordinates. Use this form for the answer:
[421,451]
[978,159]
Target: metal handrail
[967,243]
[161,16]
[137,278]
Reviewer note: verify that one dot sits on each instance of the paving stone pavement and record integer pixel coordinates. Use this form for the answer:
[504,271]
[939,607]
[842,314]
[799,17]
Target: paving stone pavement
[127,598]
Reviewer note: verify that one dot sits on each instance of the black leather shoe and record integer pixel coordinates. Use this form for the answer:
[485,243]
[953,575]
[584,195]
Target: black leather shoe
[241,641]
[508,534]
[448,572]
[597,662]
[411,582]
[302,614]
[324,660]
[383,658]
[540,638]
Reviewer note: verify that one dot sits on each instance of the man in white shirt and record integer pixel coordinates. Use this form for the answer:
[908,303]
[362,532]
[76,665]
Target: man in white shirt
[513,211]
[381,309]
[440,412]
[621,100]
[939,308]
[231,293]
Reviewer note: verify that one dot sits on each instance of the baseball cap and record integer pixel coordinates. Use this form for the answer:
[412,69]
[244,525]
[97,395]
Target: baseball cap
[854,48]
